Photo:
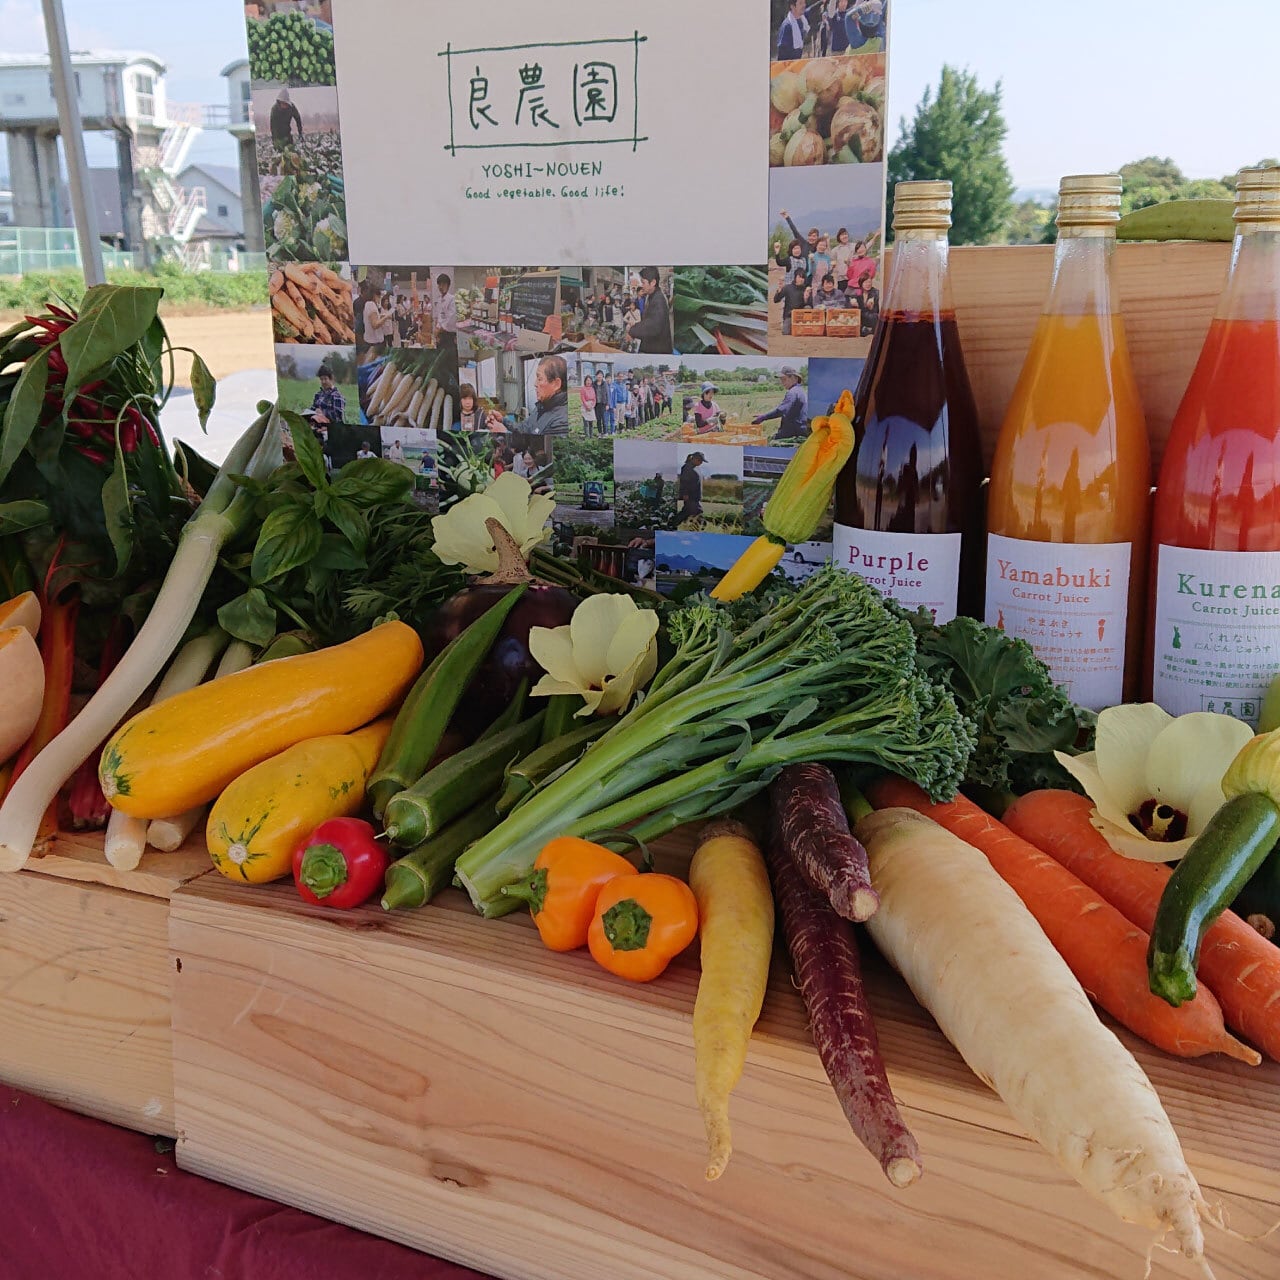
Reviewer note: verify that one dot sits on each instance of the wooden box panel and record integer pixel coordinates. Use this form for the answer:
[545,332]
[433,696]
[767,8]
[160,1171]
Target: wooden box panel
[449,1083]
[85,982]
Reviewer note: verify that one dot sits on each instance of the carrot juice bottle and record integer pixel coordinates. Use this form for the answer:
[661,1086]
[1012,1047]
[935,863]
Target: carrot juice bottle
[1216,535]
[1069,499]
[909,500]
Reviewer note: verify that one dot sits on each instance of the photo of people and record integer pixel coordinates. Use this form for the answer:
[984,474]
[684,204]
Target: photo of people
[827,111]
[304,219]
[824,259]
[692,562]
[318,382]
[646,479]
[297,130]
[404,307]
[623,309]
[709,489]
[817,28]
[725,401]
[584,482]
[619,395]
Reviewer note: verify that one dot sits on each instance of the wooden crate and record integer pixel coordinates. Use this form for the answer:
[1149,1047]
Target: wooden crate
[85,981]
[844,322]
[449,1083]
[808,323]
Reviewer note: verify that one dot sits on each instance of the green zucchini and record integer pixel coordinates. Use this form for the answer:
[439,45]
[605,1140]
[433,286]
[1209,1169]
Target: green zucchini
[1217,866]
[1259,901]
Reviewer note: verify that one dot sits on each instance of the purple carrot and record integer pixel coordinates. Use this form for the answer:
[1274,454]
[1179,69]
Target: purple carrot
[816,831]
[824,955]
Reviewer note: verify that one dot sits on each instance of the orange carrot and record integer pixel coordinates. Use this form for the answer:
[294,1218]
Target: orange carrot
[1236,962]
[1107,954]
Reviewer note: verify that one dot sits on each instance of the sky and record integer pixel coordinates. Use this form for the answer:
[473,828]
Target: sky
[1086,87]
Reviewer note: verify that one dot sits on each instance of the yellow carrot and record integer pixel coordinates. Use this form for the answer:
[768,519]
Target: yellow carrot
[735,906]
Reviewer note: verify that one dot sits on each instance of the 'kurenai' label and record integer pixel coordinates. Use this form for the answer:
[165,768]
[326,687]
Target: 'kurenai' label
[1217,639]
[1070,601]
[918,570]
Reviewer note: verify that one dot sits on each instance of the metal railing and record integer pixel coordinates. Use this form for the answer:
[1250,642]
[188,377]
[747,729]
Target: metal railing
[27,249]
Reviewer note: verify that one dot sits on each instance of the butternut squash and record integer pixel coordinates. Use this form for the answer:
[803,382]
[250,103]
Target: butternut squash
[257,822]
[22,611]
[21,688]
[186,750]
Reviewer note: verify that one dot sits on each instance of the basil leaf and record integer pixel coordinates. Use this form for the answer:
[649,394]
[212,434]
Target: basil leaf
[118,511]
[24,409]
[306,450]
[370,482]
[250,618]
[290,536]
[16,517]
[110,322]
[204,389]
[336,553]
[350,521]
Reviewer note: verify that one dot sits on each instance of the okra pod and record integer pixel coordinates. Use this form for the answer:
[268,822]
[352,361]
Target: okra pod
[416,878]
[525,774]
[426,712]
[456,784]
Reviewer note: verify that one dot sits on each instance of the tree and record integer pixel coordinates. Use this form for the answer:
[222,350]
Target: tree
[1152,180]
[1026,223]
[959,134]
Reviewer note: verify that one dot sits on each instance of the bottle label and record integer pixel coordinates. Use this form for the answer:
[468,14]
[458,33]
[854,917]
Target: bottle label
[1217,641]
[1070,602]
[918,570]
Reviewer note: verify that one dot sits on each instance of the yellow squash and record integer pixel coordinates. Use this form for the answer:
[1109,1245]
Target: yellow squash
[186,750]
[259,819]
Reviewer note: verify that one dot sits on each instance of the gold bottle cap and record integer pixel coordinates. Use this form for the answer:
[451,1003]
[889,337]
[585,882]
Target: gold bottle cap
[1258,195]
[1089,200]
[922,206]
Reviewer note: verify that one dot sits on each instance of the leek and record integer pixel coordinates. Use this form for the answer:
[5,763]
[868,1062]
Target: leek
[227,510]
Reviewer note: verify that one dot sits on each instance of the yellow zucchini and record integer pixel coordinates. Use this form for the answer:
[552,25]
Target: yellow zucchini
[257,822]
[188,749]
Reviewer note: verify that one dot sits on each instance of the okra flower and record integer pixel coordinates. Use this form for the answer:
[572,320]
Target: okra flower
[461,536]
[1156,780]
[607,653]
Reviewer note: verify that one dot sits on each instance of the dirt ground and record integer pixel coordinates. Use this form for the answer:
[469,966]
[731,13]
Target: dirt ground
[227,341]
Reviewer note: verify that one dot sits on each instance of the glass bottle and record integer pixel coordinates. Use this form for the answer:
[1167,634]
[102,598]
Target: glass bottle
[1069,499]
[909,500]
[1216,536]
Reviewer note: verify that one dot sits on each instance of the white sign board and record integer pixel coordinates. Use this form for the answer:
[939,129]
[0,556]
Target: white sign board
[634,138]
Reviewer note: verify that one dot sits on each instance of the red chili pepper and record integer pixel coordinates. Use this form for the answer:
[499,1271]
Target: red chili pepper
[340,864]
[83,430]
[57,362]
[68,316]
[152,434]
[128,437]
[94,455]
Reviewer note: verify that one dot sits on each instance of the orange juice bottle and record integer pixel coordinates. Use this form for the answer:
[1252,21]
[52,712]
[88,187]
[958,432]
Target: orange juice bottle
[1068,506]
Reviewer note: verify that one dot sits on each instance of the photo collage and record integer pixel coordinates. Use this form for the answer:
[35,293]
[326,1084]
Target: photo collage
[658,404]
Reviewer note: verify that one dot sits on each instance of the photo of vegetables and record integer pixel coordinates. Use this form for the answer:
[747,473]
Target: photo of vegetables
[645,473]
[290,43]
[304,219]
[721,310]
[410,388]
[297,131]
[827,111]
[311,302]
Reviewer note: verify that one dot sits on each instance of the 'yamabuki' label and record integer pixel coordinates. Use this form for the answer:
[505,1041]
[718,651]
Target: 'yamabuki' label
[1070,602]
[1217,638]
[918,570]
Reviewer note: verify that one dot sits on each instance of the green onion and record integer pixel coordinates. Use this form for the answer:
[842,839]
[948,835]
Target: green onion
[227,510]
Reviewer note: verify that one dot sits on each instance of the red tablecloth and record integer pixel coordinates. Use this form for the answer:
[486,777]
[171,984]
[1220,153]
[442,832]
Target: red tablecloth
[85,1199]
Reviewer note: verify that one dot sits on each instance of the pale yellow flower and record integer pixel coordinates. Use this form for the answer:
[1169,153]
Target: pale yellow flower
[1152,776]
[607,653]
[461,536]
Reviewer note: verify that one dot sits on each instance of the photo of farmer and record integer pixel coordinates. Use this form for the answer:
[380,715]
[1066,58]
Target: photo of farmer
[816,28]
[646,481]
[792,410]
[584,483]
[400,307]
[547,413]
[318,382]
[794,29]
[827,111]
[827,221]
[709,489]
[616,309]
[297,131]
[715,399]
[651,332]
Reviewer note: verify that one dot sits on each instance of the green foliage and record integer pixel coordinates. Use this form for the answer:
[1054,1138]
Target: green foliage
[1027,224]
[580,459]
[290,47]
[1153,180]
[958,133]
[233,291]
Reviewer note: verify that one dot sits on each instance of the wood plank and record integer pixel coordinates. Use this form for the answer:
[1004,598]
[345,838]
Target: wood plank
[1168,294]
[84,998]
[448,1082]
[79,856]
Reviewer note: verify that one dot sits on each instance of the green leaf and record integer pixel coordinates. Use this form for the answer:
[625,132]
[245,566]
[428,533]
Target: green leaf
[290,536]
[118,511]
[24,409]
[336,553]
[203,388]
[250,618]
[350,521]
[198,472]
[112,319]
[371,482]
[16,517]
[153,344]
[306,449]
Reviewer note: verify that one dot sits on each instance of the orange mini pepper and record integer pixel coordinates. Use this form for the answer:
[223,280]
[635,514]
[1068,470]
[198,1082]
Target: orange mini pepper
[641,924]
[567,877]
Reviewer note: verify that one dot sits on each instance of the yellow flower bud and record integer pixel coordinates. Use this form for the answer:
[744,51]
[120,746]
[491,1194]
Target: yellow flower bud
[803,494]
[1255,768]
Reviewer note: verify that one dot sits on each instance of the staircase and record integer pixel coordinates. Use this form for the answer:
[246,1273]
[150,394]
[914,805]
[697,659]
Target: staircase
[171,214]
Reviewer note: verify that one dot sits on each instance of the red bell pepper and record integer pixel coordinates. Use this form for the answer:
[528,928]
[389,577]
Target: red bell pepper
[340,864]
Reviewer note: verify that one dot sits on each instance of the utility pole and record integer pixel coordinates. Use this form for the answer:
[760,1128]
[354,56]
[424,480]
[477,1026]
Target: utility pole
[64,91]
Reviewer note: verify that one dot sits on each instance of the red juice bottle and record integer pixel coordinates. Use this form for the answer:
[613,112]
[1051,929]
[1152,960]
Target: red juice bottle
[909,500]
[1216,536]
